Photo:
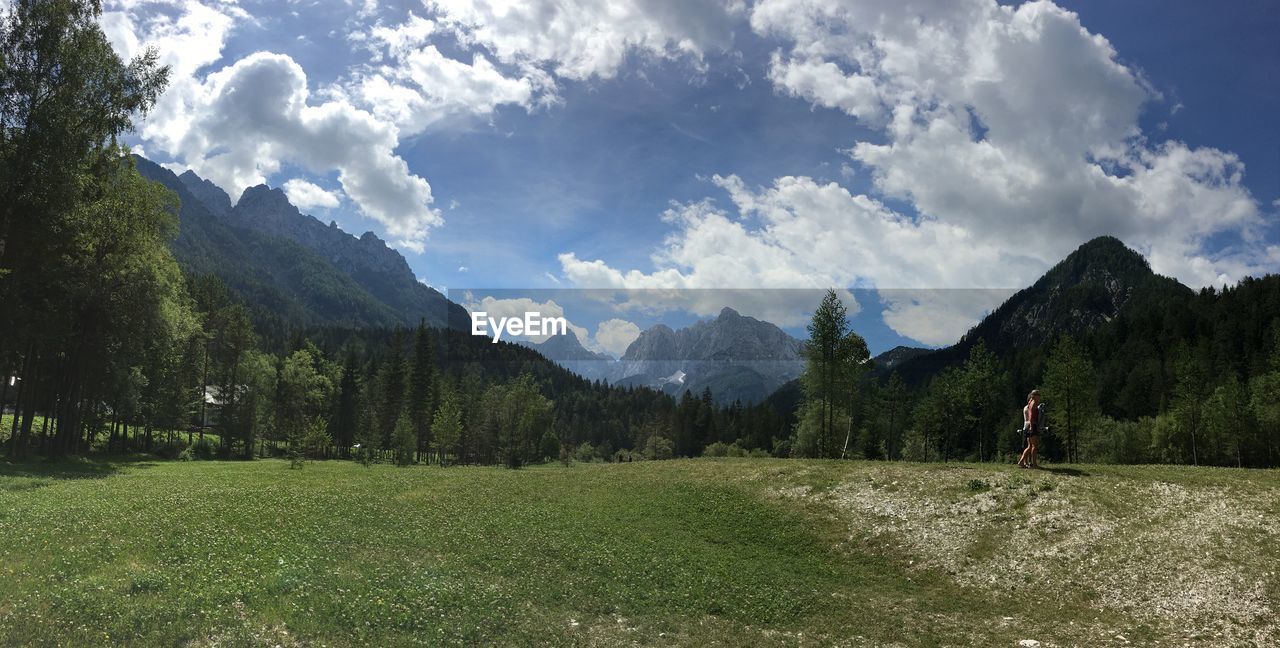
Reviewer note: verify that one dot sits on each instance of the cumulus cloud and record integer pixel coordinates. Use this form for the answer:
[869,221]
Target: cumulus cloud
[612,336]
[517,308]
[1014,123]
[581,39]
[711,261]
[306,195]
[938,317]
[238,124]
[254,114]
[615,335]
[415,86]
[1011,131]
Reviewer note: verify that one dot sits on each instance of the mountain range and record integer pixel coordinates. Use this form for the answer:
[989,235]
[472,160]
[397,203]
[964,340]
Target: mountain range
[1089,288]
[737,357]
[291,269]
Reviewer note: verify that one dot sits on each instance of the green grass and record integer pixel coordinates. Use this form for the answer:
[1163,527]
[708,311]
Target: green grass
[732,551]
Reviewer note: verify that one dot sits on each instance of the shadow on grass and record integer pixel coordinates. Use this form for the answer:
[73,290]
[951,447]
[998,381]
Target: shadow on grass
[1069,472]
[73,468]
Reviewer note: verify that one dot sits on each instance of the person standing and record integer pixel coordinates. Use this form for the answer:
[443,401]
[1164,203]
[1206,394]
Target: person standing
[1032,416]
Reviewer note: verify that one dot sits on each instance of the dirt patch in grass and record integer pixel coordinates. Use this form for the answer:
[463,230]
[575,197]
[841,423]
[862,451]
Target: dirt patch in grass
[1193,563]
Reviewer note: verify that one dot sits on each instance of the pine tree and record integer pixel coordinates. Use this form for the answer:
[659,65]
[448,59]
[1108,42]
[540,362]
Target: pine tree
[346,412]
[404,440]
[835,357]
[1070,388]
[446,425]
[391,385]
[420,402]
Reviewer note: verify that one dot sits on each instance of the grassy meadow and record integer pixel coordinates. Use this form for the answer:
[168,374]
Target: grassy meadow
[688,552]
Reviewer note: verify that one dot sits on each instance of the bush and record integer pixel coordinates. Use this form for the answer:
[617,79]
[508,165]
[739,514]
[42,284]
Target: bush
[716,449]
[363,454]
[782,448]
[586,453]
[203,449]
[759,453]
[659,448]
[169,450]
[550,447]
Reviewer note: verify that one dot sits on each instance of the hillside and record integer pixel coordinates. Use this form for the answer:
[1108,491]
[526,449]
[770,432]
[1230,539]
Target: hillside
[290,269]
[1089,288]
[724,552]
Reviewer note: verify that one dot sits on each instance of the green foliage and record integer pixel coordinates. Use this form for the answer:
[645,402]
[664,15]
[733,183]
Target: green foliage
[300,394]
[835,358]
[658,448]
[447,425]
[82,237]
[1070,383]
[420,404]
[404,440]
[585,453]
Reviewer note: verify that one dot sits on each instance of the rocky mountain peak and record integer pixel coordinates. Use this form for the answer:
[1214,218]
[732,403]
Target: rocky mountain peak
[1087,289]
[266,213]
[267,201]
[737,357]
[210,195]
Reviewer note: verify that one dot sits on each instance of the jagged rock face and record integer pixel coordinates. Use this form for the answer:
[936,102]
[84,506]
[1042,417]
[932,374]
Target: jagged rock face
[738,357]
[567,347]
[567,351]
[268,210]
[291,263]
[210,195]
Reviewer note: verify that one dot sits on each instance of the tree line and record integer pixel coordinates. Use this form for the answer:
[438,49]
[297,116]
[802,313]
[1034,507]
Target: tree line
[107,345]
[1194,381]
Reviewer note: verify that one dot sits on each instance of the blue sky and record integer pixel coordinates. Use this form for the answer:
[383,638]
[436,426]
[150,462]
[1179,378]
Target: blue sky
[774,144]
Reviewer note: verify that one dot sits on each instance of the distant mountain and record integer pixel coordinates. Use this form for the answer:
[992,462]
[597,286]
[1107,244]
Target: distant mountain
[290,268]
[567,351]
[1084,291]
[737,357]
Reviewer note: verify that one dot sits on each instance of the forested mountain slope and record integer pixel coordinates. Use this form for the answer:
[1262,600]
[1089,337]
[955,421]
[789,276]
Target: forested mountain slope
[285,270]
[1091,287]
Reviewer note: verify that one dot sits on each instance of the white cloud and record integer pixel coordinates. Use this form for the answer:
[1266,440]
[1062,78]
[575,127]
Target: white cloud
[800,234]
[939,317]
[415,86]
[1013,123]
[615,335]
[238,124]
[612,336]
[516,308]
[1012,132]
[580,39]
[306,195]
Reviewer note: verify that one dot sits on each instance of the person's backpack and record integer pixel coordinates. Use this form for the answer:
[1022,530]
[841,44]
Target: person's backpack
[1042,418]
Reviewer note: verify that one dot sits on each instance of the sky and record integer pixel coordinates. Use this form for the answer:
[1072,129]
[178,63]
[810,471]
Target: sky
[926,157]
